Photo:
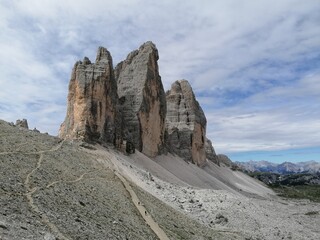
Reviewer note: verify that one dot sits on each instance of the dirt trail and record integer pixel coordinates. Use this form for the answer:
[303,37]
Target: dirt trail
[146,216]
[30,191]
[72,181]
[55,148]
[136,201]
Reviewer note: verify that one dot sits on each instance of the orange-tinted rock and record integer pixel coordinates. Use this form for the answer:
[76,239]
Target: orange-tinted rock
[92,112]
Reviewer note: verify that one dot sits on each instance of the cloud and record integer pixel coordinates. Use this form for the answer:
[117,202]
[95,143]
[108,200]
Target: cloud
[280,118]
[253,64]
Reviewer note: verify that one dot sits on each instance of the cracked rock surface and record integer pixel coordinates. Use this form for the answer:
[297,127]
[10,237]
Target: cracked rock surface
[185,123]
[92,112]
[142,99]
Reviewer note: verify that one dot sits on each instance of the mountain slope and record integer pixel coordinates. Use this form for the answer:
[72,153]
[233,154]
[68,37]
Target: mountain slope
[212,196]
[54,189]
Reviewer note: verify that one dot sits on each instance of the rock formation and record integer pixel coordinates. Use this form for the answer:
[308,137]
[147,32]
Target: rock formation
[142,99]
[92,112]
[185,124]
[210,153]
[22,123]
[127,106]
[225,160]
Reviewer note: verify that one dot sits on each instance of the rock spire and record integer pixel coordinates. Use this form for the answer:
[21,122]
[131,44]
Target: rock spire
[185,123]
[142,99]
[127,106]
[92,112]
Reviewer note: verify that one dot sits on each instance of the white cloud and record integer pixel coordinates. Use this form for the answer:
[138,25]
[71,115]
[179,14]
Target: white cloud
[280,118]
[245,59]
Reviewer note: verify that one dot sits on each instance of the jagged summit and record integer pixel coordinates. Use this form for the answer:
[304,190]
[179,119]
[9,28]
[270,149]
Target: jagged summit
[103,55]
[86,61]
[127,106]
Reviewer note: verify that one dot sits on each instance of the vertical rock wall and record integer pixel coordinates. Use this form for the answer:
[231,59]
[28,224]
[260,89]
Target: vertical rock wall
[142,99]
[185,123]
[92,112]
[127,106]
[210,153]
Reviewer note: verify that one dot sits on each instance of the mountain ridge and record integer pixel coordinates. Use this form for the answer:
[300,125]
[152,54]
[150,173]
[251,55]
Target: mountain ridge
[281,168]
[126,106]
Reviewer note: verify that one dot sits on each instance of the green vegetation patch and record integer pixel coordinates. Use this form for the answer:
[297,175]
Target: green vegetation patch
[311,192]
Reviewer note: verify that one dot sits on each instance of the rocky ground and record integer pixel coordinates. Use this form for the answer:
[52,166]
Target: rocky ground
[51,190]
[229,213]
[54,189]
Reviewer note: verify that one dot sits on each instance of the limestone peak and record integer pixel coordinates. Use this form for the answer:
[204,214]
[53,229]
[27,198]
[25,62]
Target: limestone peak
[103,55]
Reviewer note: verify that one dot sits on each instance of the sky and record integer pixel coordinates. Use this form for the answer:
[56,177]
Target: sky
[254,64]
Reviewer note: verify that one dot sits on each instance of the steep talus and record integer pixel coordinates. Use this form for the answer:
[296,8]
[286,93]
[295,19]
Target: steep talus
[92,112]
[185,123]
[142,99]
[54,189]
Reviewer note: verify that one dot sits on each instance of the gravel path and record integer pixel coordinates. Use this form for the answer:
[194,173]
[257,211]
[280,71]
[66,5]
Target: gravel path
[143,211]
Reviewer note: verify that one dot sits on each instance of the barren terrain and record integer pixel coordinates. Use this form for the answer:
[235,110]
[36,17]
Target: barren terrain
[54,189]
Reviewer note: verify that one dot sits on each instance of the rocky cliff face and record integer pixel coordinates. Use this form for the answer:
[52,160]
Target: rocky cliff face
[127,106]
[92,112]
[142,99]
[210,153]
[222,158]
[185,123]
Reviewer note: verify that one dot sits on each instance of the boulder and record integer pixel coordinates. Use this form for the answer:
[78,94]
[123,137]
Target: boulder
[92,112]
[142,99]
[185,124]
[22,123]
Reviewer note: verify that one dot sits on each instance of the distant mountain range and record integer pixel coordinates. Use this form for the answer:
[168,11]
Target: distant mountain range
[283,168]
